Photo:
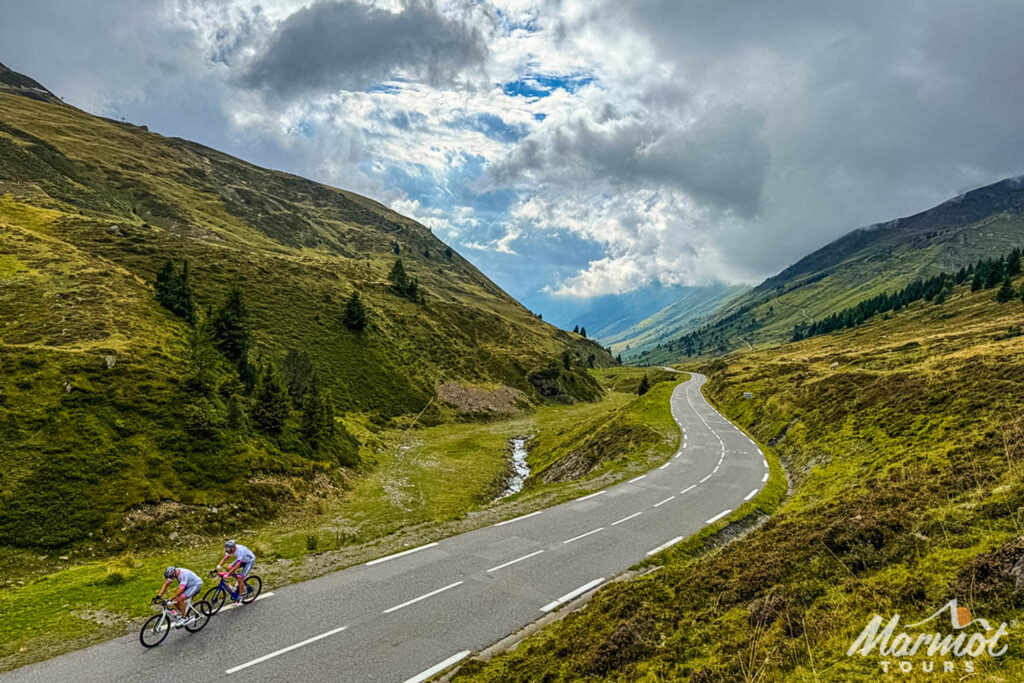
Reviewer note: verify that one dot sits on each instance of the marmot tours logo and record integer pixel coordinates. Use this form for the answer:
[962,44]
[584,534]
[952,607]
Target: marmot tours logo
[927,646]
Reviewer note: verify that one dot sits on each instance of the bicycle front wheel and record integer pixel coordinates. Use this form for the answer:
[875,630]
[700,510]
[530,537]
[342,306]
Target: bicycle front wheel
[202,611]
[216,596]
[154,630]
[254,584]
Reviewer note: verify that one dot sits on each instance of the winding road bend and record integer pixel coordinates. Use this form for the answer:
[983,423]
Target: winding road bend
[405,617]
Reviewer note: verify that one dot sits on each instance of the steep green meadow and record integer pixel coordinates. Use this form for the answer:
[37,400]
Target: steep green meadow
[904,441]
[106,444]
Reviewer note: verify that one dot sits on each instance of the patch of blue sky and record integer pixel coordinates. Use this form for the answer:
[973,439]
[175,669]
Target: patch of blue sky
[540,257]
[390,88]
[541,85]
[305,129]
[490,125]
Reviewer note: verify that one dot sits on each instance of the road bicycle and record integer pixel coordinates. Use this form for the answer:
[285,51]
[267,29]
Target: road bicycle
[218,596]
[156,628]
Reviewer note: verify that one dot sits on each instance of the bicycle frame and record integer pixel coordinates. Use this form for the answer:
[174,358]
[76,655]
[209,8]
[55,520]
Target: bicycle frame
[168,616]
[226,587]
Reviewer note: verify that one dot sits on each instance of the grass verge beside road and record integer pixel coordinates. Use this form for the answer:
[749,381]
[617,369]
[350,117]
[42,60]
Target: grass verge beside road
[407,499]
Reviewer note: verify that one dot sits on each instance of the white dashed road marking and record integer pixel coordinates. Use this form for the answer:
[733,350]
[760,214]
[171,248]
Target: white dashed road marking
[572,594]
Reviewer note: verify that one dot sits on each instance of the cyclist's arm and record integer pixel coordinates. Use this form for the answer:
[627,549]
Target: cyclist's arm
[234,566]
[222,560]
[166,584]
[178,592]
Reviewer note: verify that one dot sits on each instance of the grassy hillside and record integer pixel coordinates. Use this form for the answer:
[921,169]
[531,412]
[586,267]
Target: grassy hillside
[983,223]
[903,439]
[407,499]
[100,415]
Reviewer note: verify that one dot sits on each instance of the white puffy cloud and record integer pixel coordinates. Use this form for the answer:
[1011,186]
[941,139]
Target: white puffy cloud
[668,141]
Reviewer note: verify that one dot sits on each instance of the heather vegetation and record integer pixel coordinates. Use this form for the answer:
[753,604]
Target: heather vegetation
[903,440]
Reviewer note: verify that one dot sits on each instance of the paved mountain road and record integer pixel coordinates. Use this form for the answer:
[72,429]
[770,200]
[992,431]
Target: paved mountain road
[396,619]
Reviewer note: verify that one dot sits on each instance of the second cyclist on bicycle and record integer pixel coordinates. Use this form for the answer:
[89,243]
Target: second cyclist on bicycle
[240,568]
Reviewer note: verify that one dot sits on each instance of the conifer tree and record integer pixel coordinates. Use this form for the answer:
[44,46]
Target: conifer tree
[298,375]
[173,290]
[1005,292]
[236,413]
[231,326]
[644,387]
[401,283]
[576,329]
[201,359]
[583,331]
[354,317]
[1013,262]
[318,425]
[270,403]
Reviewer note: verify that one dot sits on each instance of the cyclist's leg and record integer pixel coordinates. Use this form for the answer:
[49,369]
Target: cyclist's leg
[179,602]
[186,601]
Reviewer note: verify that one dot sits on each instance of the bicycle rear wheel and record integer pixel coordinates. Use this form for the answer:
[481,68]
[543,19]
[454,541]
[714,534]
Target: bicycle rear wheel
[255,585]
[203,612]
[217,597]
[154,630]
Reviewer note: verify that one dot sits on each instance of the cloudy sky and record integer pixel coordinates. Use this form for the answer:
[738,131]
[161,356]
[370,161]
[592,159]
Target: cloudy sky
[572,148]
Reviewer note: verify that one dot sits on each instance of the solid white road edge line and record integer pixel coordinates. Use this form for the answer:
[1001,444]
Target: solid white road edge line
[665,465]
[765,464]
[751,494]
[664,501]
[512,562]
[422,597]
[765,477]
[258,597]
[401,554]
[590,496]
[626,519]
[689,488]
[717,517]
[572,594]
[285,649]
[636,479]
[664,546]
[516,519]
[438,668]
[576,538]
[705,479]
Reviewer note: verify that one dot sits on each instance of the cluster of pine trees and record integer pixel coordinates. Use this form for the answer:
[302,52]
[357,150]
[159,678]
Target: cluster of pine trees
[986,274]
[174,291]
[257,394]
[403,284]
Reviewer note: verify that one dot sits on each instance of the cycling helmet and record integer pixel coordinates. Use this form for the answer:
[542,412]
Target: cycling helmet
[169,572]
[228,545]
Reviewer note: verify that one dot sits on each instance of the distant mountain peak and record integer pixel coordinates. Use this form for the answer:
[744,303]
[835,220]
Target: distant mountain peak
[16,83]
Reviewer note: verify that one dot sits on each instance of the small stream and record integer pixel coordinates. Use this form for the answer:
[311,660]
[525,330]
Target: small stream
[520,470]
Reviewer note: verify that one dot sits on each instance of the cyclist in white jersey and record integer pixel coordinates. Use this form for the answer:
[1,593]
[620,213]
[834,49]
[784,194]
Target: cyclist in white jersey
[239,569]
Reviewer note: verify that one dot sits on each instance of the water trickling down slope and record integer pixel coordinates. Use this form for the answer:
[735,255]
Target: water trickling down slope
[520,470]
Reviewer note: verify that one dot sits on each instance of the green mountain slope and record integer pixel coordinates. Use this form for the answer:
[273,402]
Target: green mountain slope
[903,440]
[105,429]
[673,320]
[982,223]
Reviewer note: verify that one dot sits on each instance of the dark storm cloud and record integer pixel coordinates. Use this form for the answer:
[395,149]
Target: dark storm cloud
[347,44]
[720,159]
[871,109]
